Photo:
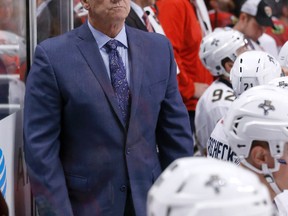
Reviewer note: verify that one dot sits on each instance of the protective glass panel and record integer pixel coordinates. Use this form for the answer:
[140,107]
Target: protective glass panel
[80,14]
[13,56]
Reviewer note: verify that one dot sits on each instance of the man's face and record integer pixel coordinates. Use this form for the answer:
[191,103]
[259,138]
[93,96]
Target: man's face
[6,10]
[107,11]
[260,154]
[228,65]
[285,70]
[253,30]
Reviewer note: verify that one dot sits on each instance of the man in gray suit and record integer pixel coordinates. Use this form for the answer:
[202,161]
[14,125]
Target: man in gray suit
[89,151]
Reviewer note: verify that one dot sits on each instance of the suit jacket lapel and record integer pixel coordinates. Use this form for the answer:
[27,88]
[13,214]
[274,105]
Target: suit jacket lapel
[89,49]
[136,69]
[134,21]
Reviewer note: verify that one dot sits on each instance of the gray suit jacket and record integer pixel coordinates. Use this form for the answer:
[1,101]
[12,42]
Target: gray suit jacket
[81,160]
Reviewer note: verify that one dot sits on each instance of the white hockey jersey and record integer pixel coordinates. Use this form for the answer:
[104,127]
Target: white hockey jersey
[281,203]
[218,147]
[211,107]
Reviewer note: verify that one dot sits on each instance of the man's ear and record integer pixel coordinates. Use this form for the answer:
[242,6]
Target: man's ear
[259,155]
[228,65]
[245,18]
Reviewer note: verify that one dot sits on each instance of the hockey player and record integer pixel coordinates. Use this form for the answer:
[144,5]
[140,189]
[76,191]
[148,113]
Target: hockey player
[202,186]
[256,126]
[250,69]
[218,51]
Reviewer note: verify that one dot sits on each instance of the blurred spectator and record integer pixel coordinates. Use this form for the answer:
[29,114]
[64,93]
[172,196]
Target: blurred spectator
[9,17]
[54,9]
[221,5]
[12,54]
[255,16]
[49,19]
[43,20]
[220,13]
[275,6]
[284,12]
[280,30]
[181,26]
[279,33]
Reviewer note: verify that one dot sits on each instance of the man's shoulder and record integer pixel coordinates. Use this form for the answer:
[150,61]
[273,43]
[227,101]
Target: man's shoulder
[62,39]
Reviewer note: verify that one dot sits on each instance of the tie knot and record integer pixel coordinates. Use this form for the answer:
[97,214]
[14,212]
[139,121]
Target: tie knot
[111,45]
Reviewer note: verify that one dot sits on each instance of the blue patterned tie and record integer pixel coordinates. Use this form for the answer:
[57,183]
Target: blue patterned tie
[118,78]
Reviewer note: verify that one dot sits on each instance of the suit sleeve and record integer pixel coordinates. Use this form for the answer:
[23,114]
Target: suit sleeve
[174,135]
[42,126]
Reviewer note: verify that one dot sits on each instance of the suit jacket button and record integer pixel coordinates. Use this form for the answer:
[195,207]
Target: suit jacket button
[123,188]
[128,151]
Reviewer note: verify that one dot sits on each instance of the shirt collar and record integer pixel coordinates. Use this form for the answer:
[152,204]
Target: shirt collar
[102,39]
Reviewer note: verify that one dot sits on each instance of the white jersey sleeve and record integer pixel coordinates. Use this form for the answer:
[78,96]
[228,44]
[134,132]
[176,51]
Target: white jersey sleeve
[218,147]
[269,44]
[211,107]
[281,201]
